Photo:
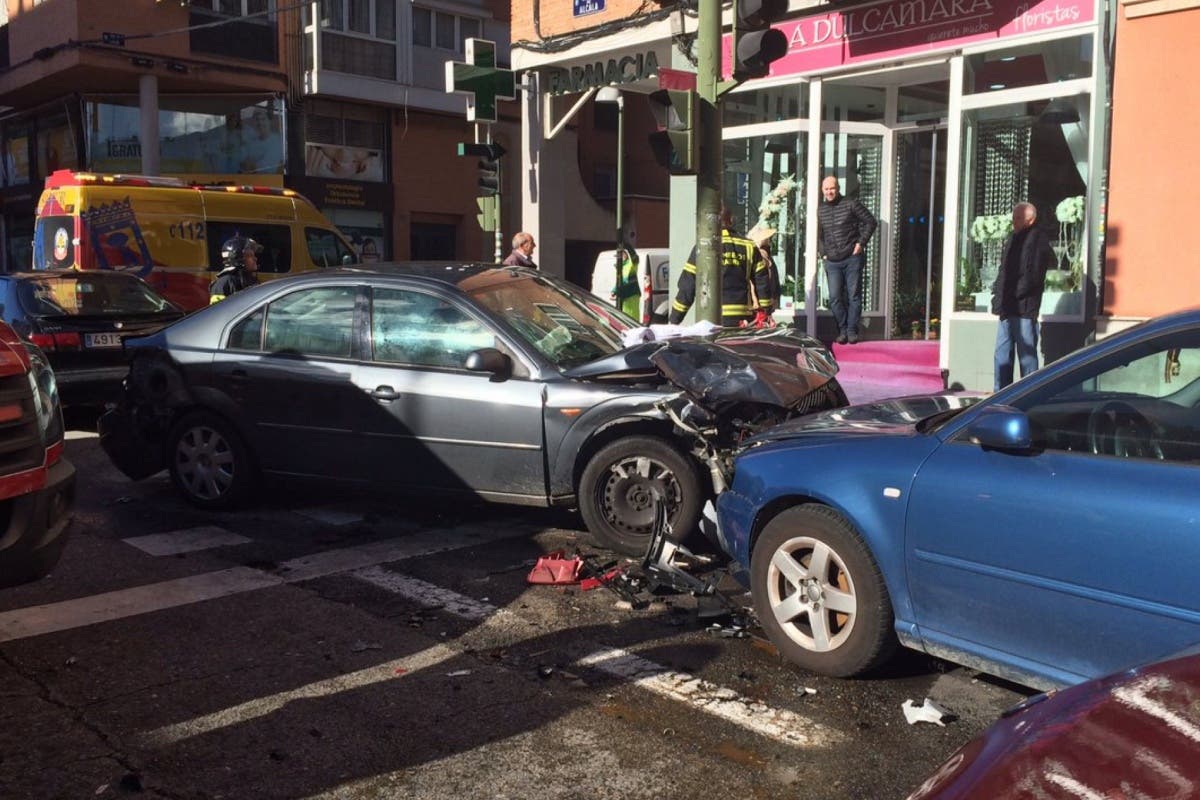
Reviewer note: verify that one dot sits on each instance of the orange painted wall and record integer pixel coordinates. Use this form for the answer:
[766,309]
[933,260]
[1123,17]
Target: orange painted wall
[1154,181]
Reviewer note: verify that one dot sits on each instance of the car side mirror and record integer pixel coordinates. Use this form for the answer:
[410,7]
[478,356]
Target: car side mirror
[490,360]
[1001,427]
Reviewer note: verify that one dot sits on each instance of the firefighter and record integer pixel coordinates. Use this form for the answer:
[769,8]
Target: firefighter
[239,268]
[745,280]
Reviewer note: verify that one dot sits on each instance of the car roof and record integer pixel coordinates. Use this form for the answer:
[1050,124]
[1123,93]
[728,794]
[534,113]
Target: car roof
[448,272]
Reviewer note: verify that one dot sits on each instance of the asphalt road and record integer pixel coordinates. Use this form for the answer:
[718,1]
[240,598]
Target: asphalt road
[337,645]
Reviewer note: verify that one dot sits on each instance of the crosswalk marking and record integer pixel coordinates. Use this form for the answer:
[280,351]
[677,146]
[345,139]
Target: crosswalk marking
[774,723]
[185,541]
[53,617]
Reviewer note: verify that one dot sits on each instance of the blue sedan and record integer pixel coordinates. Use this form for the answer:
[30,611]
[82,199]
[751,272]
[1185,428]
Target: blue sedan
[1047,534]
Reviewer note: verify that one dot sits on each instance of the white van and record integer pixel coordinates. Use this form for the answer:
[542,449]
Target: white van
[654,262]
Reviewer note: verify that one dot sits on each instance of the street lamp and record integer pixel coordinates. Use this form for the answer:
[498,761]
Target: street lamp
[611,94]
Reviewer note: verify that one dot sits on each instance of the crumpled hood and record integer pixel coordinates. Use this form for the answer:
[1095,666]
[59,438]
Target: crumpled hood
[777,366]
[895,416]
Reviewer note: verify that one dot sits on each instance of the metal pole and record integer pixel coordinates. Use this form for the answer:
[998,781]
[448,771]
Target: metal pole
[929,243]
[710,176]
[620,192]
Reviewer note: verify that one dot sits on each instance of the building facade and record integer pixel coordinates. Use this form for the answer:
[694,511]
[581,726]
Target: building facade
[344,101]
[938,115]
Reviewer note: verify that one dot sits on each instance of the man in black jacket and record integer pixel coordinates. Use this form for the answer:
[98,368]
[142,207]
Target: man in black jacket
[844,226]
[1017,294]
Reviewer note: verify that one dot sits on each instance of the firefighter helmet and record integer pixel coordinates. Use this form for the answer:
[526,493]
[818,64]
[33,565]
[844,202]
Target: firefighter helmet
[234,249]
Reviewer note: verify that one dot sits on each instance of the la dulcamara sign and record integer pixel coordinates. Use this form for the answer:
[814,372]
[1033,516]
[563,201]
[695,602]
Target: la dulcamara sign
[613,72]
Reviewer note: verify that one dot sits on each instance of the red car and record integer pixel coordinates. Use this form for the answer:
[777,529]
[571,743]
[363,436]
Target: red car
[1132,734]
[37,485]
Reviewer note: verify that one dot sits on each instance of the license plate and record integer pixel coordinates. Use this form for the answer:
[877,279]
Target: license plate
[102,340]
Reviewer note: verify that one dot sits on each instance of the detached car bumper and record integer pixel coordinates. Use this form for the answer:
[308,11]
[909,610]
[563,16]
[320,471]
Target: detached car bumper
[35,526]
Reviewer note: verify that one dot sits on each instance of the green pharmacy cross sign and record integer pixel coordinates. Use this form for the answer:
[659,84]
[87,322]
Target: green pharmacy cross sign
[481,80]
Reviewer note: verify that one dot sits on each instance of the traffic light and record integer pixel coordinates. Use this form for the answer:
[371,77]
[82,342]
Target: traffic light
[755,43]
[676,141]
[489,165]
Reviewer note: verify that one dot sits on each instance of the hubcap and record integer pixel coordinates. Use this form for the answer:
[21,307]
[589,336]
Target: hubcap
[628,493]
[811,594]
[205,463]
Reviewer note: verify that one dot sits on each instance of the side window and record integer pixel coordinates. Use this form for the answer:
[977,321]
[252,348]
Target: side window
[326,248]
[247,334]
[276,241]
[312,322]
[420,329]
[1143,402]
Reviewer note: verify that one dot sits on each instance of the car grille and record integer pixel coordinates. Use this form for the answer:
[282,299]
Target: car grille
[21,445]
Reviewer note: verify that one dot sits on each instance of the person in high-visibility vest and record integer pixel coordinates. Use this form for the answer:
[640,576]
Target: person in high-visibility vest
[628,292]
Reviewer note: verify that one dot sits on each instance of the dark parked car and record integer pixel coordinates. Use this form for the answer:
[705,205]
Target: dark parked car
[500,382]
[78,319]
[1130,735]
[1048,534]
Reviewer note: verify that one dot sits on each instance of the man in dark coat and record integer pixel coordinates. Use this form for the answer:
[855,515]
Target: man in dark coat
[522,252]
[844,226]
[1017,294]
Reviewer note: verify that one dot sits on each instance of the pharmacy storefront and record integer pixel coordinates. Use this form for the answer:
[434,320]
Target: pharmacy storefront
[938,115]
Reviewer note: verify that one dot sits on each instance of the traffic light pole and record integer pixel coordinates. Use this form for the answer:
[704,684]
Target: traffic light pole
[710,175]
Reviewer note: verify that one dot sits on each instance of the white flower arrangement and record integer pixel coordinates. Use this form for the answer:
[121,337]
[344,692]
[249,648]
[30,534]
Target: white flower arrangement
[1070,210]
[775,202]
[990,227]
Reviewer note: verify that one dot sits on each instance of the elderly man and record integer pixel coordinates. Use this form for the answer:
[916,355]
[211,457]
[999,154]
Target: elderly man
[1017,294]
[522,252]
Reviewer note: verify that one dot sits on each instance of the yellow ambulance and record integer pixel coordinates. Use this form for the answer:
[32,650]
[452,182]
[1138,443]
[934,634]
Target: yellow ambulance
[169,232]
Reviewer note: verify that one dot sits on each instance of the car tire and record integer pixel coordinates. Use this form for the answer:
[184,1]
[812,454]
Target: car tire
[615,492]
[209,462]
[837,623]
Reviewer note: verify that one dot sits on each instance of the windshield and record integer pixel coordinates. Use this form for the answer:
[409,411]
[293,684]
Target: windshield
[566,325]
[90,294]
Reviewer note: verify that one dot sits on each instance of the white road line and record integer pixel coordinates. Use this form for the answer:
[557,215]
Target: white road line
[262,706]
[36,620]
[774,723]
[185,541]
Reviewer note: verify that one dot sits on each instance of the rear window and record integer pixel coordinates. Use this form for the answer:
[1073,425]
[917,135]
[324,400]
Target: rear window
[53,243]
[86,294]
[276,241]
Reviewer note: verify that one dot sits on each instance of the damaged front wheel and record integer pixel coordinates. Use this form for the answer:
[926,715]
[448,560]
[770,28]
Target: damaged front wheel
[617,489]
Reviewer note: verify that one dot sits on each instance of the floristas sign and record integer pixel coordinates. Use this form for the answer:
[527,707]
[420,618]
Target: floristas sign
[888,29]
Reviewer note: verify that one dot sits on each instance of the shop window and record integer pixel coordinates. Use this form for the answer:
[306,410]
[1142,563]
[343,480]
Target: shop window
[276,241]
[14,157]
[344,142]
[198,134]
[765,105]
[1037,152]
[846,103]
[56,146]
[1029,65]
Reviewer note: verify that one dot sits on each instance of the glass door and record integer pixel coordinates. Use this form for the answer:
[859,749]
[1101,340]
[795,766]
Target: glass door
[916,233]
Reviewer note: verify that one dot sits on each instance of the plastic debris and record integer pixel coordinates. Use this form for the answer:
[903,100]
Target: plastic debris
[555,569]
[928,712]
[458,673]
[361,646]
[545,671]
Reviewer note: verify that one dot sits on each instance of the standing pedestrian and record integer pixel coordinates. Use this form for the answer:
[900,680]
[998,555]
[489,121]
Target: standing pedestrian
[522,252]
[745,279]
[239,267]
[1017,294]
[844,226]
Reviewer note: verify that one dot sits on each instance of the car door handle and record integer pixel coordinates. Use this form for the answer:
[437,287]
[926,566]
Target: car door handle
[385,393]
